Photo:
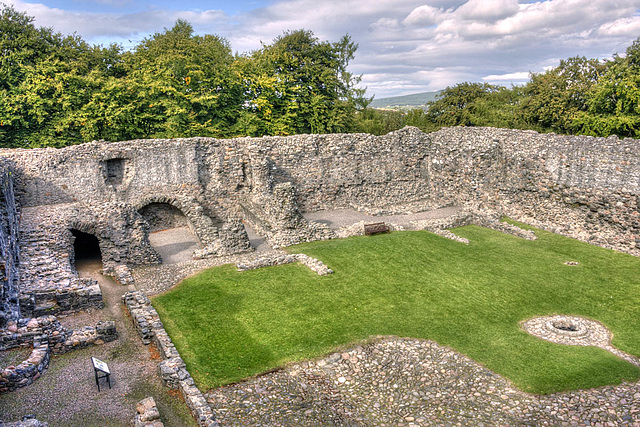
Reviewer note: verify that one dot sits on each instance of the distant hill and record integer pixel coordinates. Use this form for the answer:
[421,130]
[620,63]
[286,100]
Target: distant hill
[408,101]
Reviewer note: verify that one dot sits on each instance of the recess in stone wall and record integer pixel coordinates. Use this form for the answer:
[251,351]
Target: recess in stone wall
[85,245]
[113,170]
[161,216]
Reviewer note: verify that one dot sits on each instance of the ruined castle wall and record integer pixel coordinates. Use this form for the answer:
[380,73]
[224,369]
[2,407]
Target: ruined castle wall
[82,172]
[346,170]
[583,187]
[580,186]
[9,291]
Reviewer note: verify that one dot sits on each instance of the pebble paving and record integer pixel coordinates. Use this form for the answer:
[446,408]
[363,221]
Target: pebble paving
[408,382]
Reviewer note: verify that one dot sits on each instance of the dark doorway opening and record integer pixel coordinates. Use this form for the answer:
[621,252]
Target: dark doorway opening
[85,246]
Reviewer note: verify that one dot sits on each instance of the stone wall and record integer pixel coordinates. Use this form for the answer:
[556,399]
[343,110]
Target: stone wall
[25,332]
[172,369]
[45,335]
[147,414]
[9,290]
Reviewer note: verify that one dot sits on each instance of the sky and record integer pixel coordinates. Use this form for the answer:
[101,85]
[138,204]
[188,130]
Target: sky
[405,46]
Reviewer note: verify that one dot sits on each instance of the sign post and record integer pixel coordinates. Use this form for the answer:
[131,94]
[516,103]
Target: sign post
[101,370]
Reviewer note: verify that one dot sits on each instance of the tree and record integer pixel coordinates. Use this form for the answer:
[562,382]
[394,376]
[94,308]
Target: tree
[45,79]
[456,106]
[181,85]
[59,90]
[299,84]
[557,95]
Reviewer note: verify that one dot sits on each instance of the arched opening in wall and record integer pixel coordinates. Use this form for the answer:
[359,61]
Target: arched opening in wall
[171,232]
[86,251]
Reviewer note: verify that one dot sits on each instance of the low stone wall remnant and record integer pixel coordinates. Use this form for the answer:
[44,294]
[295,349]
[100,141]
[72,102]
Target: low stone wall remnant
[172,369]
[46,335]
[281,258]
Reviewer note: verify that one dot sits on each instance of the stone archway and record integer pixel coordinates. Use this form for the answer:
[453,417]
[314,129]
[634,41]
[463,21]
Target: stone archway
[172,233]
[85,246]
[163,216]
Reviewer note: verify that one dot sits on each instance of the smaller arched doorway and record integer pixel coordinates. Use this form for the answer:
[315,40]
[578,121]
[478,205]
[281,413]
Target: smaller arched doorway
[172,234]
[86,251]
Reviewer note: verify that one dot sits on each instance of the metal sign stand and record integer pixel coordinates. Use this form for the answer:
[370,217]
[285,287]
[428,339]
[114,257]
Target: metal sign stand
[101,370]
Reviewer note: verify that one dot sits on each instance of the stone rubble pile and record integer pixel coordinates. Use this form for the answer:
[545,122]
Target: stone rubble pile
[449,235]
[120,273]
[266,260]
[281,258]
[147,414]
[313,264]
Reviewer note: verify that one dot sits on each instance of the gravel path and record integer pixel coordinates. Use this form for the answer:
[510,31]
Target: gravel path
[66,395]
[174,245]
[410,382]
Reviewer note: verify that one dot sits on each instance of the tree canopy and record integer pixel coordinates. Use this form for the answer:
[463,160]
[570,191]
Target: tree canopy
[579,96]
[58,90]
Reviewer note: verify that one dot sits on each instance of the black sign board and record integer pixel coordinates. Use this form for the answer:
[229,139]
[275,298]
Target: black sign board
[101,370]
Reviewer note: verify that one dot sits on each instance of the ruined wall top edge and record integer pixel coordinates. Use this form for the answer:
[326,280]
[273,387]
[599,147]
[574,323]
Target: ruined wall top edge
[460,136]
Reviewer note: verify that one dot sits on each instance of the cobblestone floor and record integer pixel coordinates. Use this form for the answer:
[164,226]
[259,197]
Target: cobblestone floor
[409,382]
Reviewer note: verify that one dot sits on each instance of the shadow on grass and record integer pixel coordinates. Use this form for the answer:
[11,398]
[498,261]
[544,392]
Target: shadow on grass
[220,333]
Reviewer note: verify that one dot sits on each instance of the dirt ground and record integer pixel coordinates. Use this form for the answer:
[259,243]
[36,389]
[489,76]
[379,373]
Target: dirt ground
[66,395]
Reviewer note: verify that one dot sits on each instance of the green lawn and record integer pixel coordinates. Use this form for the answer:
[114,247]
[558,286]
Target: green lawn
[229,325]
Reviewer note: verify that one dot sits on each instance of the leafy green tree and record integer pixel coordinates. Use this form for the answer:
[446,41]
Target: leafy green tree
[179,84]
[469,104]
[380,122]
[46,79]
[614,101]
[557,95]
[22,47]
[299,84]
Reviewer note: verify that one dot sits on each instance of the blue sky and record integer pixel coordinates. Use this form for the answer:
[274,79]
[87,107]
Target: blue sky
[405,46]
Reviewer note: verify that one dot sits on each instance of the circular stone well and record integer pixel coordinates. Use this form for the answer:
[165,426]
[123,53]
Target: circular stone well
[570,330]
[574,330]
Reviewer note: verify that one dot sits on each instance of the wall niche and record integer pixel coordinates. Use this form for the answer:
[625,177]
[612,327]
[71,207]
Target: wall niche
[116,171]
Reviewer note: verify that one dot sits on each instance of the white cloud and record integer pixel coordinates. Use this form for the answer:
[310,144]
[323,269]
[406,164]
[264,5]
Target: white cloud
[625,27]
[521,75]
[404,45]
[424,15]
[119,26]
[487,11]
